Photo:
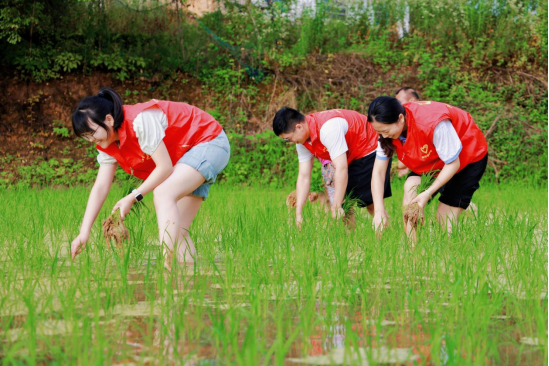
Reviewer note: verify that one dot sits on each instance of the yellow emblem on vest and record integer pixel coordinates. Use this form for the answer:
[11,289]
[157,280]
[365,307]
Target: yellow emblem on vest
[425,149]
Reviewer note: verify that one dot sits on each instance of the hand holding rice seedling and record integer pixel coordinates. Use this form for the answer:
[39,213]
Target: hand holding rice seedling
[413,212]
[114,229]
[349,207]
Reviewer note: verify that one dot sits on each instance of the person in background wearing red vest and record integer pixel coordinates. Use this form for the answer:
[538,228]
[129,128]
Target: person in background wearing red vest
[428,137]
[176,148]
[407,94]
[346,139]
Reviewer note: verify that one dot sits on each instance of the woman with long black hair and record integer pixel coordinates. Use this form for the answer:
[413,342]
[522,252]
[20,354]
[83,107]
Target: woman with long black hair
[177,149]
[428,137]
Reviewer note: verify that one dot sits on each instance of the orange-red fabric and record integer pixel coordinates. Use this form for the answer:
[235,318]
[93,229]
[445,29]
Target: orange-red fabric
[418,152]
[188,126]
[361,137]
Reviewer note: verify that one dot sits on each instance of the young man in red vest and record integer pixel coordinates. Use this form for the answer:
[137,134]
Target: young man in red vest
[177,149]
[342,136]
[428,137]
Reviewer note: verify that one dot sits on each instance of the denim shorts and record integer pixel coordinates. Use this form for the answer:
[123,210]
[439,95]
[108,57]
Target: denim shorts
[209,158]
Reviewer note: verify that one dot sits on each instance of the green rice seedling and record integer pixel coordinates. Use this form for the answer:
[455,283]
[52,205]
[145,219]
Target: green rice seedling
[265,292]
[349,207]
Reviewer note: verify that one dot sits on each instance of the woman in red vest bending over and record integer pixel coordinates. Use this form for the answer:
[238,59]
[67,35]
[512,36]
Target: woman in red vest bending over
[176,148]
[428,137]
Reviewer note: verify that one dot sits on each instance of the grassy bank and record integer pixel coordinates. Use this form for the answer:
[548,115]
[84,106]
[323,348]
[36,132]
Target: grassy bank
[243,63]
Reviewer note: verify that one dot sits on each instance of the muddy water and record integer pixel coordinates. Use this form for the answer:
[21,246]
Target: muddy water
[142,328]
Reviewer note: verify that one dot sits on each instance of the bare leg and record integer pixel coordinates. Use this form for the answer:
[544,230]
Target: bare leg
[188,208]
[370,209]
[472,209]
[448,215]
[402,169]
[182,182]
[409,194]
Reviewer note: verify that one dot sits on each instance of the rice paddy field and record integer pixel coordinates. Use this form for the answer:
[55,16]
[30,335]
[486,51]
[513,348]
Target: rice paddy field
[264,292]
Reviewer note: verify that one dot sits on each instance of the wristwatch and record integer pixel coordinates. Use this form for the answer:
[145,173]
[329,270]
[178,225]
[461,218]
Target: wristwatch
[138,196]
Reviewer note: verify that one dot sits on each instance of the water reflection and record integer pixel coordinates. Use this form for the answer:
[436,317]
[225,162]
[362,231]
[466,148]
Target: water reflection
[370,337]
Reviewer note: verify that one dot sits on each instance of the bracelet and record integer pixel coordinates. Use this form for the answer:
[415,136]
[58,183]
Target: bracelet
[428,191]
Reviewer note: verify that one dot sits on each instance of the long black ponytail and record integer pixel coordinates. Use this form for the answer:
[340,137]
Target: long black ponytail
[385,110]
[96,109]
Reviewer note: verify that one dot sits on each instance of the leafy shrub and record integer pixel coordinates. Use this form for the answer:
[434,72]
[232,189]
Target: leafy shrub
[263,159]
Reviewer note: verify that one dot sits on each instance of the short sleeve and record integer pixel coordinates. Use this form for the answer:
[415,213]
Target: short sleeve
[105,159]
[332,135]
[447,142]
[150,126]
[303,154]
[380,154]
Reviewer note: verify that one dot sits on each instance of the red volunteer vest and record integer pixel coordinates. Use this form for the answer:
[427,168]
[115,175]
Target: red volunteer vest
[188,126]
[361,137]
[419,153]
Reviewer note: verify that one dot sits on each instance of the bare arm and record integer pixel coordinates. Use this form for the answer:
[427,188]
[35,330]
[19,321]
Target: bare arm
[98,194]
[341,178]
[381,218]
[303,186]
[447,172]
[163,169]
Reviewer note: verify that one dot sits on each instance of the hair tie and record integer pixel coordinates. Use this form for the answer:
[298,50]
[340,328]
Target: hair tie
[100,95]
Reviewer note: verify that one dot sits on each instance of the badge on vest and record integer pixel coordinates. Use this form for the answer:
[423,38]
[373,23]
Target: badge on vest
[425,149]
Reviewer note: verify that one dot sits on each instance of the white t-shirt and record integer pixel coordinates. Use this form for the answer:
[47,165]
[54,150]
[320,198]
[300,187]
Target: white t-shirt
[149,126]
[446,141]
[332,135]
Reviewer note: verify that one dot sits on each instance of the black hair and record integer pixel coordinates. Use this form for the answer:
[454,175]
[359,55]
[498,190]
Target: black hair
[95,109]
[285,120]
[385,110]
[408,89]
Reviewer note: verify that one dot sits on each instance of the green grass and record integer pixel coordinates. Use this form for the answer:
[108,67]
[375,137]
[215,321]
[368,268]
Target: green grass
[264,292]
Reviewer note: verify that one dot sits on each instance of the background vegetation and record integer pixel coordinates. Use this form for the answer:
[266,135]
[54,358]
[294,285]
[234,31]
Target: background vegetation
[487,57]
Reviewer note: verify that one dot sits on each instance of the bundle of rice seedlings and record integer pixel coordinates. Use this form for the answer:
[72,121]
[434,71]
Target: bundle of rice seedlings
[349,206]
[314,197]
[114,230]
[412,212]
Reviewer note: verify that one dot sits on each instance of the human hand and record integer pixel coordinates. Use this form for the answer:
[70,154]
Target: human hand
[380,221]
[337,212]
[298,220]
[78,245]
[422,199]
[125,205]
